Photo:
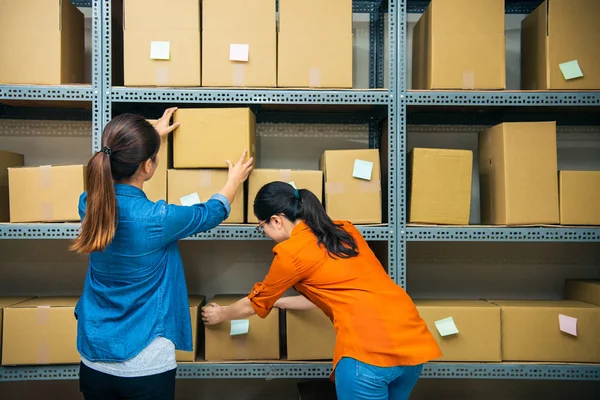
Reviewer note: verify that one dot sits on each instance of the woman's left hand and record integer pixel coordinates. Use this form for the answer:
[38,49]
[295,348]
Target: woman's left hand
[212,314]
[163,125]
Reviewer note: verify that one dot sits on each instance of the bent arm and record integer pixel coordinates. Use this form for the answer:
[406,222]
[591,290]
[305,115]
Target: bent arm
[295,303]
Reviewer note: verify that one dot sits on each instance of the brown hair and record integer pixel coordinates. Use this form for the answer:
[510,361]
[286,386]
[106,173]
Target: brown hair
[127,141]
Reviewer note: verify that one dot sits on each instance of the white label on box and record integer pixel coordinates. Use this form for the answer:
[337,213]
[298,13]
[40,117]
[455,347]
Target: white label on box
[160,50]
[293,184]
[571,70]
[363,169]
[239,52]
[239,327]
[190,199]
[446,326]
[567,324]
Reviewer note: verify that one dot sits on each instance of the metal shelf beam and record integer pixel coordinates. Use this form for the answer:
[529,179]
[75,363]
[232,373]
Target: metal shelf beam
[501,234]
[502,98]
[511,6]
[41,92]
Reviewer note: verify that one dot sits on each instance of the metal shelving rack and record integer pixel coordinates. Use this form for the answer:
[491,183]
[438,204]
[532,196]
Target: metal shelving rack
[396,101]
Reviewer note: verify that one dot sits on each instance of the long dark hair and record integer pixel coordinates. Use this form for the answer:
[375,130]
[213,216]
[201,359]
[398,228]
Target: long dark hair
[127,141]
[281,198]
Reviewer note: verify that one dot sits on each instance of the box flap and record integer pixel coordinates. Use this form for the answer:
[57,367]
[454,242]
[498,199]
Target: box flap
[11,301]
[454,303]
[542,304]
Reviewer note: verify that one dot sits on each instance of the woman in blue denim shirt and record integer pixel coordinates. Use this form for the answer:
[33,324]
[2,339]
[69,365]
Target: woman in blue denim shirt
[134,312]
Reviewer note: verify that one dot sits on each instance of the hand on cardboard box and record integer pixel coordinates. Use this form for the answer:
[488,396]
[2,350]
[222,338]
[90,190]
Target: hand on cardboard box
[238,174]
[163,125]
[212,314]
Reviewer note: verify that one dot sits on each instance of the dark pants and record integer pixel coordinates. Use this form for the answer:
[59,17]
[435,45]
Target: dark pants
[99,386]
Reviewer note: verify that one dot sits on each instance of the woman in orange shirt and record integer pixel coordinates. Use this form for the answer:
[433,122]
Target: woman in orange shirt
[381,341]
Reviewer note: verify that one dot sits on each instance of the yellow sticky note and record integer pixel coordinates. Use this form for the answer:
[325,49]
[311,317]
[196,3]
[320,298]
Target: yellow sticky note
[571,70]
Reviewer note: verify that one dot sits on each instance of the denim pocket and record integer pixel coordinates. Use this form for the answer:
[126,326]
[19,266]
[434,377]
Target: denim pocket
[373,373]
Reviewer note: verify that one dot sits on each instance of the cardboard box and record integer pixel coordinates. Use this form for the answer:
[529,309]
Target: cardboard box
[161,42]
[579,201]
[559,32]
[585,291]
[204,182]
[310,335]
[46,193]
[156,187]
[518,174]
[239,43]
[7,302]
[311,180]
[317,390]
[196,303]
[7,160]
[315,44]
[42,42]
[478,325]
[531,331]
[460,44]
[347,197]
[440,186]
[260,343]
[41,331]
[208,137]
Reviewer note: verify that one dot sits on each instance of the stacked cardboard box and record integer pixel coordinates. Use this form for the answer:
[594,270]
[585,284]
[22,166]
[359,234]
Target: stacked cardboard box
[156,187]
[196,303]
[7,160]
[579,197]
[7,302]
[310,335]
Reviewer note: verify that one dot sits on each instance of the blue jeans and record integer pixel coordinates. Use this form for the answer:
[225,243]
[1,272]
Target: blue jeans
[355,380]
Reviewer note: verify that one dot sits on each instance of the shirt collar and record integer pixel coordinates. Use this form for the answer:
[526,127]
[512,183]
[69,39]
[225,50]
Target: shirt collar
[129,190]
[299,228]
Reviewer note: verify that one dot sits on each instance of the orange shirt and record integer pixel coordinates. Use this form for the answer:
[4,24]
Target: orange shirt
[374,319]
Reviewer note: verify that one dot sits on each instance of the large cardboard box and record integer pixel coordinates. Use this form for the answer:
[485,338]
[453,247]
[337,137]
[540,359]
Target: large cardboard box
[310,335]
[239,43]
[477,323]
[156,187]
[315,44]
[311,180]
[208,137]
[538,331]
[205,183]
[585,291]
[161,42]
[46,193]
[41,331]
[460,44]
[196,303]
[7,302]
[561,32]
[347,197]
[518,174]
[579,199]
[440,186]
[41,42]
[261,342]
[7,160]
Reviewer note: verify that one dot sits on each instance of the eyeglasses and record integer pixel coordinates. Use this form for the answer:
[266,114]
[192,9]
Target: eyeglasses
[260,228]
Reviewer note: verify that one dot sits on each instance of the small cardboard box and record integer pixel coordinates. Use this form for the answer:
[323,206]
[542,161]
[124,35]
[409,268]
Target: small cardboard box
[41,42]
[7,160]
[585,291]
[41,331]
[561,32]
[440,186]
[208,137]
[579,197]
[543,331]
[161,42]
[7,302]
[311,180]
[347,197]
[204,182]
[477,323]
[315,44]
[260,343]
[518,174]
[46,193]
[239,43]
[460,44]
[310,335]
[196,303]
[156,187]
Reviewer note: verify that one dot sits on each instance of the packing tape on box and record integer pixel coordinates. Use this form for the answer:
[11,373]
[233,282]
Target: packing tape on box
[370,186]
[43,315]
[239,75]
[162,76]
[335,187]
[45,176]
[468,80]
[47,211]
[285,175]
[43,354]
[314,77]
[204,178]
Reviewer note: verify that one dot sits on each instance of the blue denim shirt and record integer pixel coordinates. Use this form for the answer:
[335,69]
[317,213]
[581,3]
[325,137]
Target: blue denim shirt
[135,289]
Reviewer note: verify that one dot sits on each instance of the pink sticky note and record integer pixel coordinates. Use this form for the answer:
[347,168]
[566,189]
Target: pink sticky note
[567,324]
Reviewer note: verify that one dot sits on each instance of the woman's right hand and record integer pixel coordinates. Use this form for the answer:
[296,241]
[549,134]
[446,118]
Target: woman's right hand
[239,172]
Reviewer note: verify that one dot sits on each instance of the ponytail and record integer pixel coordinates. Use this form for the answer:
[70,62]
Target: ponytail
[281,198]
[99,225]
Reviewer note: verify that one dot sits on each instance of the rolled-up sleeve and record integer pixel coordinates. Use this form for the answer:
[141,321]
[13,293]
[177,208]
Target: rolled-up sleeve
[281,276]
